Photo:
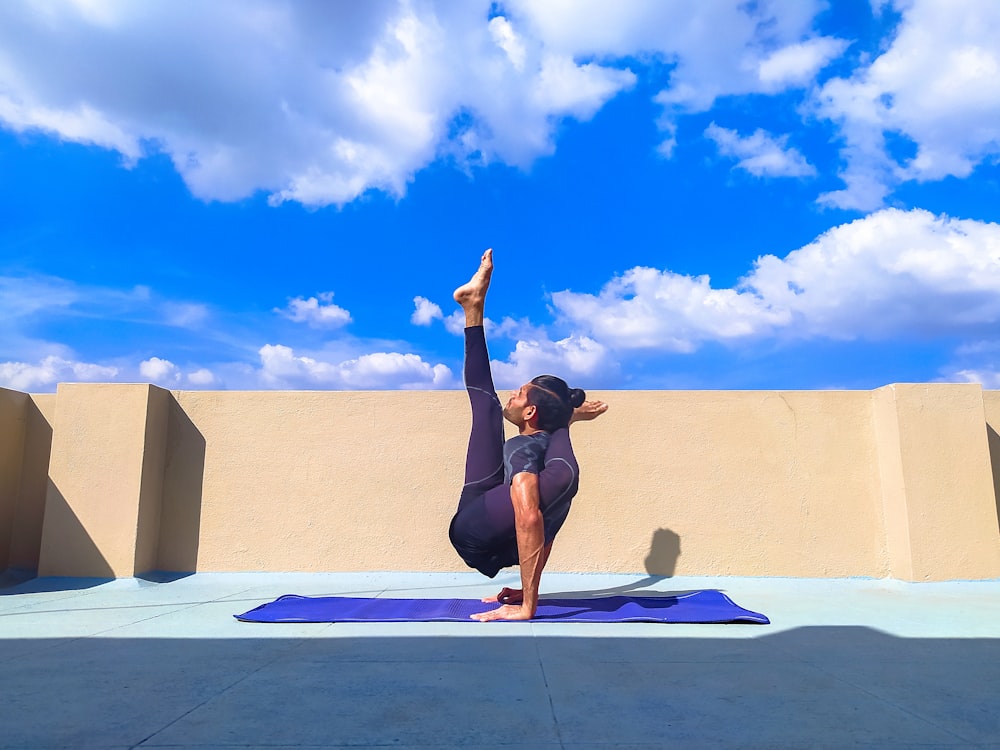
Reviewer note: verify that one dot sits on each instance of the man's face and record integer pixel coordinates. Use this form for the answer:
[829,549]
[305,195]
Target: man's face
[516,404]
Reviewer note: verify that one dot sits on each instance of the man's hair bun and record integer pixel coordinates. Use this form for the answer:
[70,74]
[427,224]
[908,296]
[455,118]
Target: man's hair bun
[555,401]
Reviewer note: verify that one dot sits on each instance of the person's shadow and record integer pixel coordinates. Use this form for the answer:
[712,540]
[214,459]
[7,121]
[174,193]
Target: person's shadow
[663,553]
[660,564]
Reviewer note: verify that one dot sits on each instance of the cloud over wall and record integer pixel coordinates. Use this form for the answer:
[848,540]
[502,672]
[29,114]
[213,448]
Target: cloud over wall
[895,273]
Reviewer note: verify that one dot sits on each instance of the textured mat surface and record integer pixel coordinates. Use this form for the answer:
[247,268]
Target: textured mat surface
[695,607]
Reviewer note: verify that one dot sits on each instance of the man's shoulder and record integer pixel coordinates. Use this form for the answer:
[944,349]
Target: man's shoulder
[533,445]
[535,438]
[525,453]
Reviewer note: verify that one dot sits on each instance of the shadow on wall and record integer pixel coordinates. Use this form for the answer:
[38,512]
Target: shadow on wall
[26,543]
[661,562]
[25,482]
[183,483]
[663,553]
[67,547]
[994,442]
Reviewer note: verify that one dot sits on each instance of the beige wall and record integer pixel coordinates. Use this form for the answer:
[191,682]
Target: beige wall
[991,402]
[728,483]
[900,481]
[25,441]
[12,408]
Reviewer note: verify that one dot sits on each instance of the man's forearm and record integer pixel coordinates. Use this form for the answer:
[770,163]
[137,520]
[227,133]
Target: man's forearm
[531,553]
[530,530]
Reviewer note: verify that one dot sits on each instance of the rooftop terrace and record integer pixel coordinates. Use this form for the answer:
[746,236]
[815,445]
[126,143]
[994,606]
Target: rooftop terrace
[845,663]
[863,524]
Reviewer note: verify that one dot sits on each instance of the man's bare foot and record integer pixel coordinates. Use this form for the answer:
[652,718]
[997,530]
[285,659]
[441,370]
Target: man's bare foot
[472,295]
[588,410]
[506,596]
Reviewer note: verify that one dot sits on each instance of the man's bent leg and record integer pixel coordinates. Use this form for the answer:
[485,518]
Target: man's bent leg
[478,542]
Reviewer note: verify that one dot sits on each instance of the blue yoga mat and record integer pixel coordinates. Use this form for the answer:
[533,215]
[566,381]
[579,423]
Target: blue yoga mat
[695,607]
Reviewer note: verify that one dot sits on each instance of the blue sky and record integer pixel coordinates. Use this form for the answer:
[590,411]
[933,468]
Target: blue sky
[248,195]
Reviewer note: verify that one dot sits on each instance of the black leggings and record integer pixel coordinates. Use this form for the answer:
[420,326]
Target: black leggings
[482,530]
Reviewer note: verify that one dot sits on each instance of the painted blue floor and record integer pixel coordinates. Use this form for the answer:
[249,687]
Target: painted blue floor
[162,663]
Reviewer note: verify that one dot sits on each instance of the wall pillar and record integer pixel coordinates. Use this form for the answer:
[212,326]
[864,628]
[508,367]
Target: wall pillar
[937,484]
[12,410]
[102,510]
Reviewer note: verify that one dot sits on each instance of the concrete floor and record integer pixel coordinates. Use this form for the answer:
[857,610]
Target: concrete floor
[162,663]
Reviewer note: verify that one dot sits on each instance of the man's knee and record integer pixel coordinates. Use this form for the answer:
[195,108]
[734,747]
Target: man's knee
[489,557]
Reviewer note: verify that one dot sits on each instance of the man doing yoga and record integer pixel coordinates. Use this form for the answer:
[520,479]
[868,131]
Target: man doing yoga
[517,493]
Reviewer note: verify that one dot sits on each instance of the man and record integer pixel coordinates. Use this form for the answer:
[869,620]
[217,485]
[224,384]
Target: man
[517,493]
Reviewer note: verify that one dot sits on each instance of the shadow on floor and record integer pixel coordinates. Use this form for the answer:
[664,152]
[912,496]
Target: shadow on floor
[163,576]
[809,687]
[27,582]
[634,588]
[15,577]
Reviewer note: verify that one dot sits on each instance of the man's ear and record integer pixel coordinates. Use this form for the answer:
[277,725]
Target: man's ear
[530,412]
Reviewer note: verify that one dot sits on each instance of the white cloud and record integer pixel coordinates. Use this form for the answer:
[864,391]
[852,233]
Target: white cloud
[535,353]
[989,379]
[577,90]
[937,86]
[504,36]
[23,376]
[514,328]
[650,309]
[510,328]
[281,367]
[719,48]
[893,273]
[797,64]
[425,312]
[310,102]
[455,323]
[185,314]
[574,359]
[159,371]
[668,129]
[318,103]
[52,369]
[82,124]
[317,312]
[760,154]
[202,378]
[36,294]
[40,297]
[321,102]
[975,361]
[29,295]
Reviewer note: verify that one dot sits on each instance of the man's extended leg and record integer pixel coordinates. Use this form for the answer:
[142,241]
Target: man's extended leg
[484,458]
[471,531]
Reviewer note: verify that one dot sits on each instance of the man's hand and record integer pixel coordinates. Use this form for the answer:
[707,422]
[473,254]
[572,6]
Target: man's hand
[588,410]
[507,596]
[506,612]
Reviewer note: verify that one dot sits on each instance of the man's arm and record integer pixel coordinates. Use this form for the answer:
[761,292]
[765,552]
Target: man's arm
[515,596]
[531,549]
